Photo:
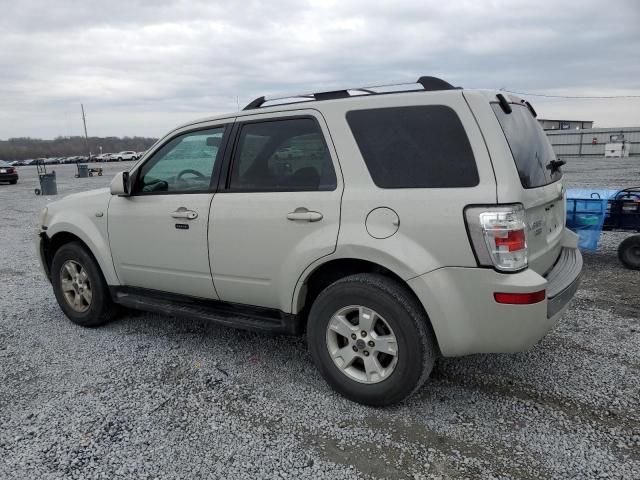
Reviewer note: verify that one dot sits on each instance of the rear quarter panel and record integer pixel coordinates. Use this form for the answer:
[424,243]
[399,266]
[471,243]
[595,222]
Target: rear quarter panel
[432,232]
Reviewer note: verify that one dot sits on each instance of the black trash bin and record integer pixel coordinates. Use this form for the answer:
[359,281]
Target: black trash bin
[83,170]
[48,185]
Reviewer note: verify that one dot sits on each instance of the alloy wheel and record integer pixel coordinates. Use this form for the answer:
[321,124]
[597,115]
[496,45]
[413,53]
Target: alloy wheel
[362,344]
[75,286]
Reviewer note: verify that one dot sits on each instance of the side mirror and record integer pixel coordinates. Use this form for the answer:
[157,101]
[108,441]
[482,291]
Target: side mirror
[120,184]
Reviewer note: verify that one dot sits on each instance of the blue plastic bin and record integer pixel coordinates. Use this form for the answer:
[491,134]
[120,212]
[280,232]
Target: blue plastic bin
[586,212]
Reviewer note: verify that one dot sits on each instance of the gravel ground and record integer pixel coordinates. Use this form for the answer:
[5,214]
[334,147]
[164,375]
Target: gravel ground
[155,397]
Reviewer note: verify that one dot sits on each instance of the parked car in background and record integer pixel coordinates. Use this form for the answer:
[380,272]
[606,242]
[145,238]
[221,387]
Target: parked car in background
[103,157]
[126,155]
[8,173]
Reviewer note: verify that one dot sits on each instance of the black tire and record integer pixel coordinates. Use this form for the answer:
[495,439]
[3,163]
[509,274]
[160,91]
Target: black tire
[629,252]
[13,182]
[416,345]
[101,308]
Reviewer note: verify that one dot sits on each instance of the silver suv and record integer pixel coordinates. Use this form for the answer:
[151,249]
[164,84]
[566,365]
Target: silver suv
[392,224]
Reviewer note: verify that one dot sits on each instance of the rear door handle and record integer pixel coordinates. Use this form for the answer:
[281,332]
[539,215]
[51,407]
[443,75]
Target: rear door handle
[302,214]
[183,212]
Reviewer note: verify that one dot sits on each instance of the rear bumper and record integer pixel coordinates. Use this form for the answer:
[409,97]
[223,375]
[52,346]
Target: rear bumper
[8,177]
[466,319]
[563,281]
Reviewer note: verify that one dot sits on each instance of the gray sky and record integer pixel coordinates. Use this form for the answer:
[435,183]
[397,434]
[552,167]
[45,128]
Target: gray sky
[142,67]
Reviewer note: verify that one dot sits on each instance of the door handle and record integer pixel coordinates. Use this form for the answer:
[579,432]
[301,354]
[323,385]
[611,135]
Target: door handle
[302,214]
[182,212]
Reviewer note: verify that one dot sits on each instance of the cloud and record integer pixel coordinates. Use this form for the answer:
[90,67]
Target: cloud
[141,67]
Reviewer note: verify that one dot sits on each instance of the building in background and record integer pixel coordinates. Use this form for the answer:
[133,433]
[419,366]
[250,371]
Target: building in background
[565,124]
[595,143]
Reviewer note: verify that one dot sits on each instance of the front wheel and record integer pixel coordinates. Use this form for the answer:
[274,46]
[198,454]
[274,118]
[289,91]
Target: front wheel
[80,288]
[370,339]
[629,252]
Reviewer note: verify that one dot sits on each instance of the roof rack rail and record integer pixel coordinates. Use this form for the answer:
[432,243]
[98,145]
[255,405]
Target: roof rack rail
[425,83]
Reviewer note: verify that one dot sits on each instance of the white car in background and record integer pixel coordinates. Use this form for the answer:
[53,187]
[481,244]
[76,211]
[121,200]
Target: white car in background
[125,156]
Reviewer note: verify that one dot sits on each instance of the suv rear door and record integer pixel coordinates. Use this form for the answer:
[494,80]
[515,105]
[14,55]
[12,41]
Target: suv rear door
[277,208]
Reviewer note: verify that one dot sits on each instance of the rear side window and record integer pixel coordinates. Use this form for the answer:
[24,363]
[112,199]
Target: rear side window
[529,146]
[282,155]
[414,147]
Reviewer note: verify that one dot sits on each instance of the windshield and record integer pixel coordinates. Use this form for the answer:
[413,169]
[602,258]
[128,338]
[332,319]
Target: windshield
[529,146]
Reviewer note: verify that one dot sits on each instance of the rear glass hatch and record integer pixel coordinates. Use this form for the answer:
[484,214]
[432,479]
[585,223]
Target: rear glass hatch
[538,169]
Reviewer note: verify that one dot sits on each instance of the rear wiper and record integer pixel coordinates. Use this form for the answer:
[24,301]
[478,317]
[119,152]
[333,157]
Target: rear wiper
[554,165]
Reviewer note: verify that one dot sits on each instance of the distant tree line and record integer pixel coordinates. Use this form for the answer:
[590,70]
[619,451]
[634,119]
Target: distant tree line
[28,148]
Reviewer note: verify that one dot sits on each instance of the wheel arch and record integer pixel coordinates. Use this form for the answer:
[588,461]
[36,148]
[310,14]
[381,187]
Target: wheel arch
[56,239]
[317,279]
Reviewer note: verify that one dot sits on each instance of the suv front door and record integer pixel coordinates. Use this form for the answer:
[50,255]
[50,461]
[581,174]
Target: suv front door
[277,210]
[158,234]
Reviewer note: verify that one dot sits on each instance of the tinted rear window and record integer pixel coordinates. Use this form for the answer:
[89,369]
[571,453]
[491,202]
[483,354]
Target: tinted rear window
[529,146]
[414,147]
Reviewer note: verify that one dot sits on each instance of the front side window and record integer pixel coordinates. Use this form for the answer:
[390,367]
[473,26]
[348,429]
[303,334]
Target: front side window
[422,146]
[282,155]
[183,165]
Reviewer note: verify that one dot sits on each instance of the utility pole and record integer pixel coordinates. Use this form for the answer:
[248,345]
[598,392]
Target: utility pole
[86,137]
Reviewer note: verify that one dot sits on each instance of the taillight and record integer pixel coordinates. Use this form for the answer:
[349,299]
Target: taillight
[511,241]
[498,235]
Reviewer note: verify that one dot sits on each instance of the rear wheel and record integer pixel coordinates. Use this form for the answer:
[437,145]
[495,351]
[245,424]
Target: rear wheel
[13,182]
[629,252]
[370,339]
[80,288]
